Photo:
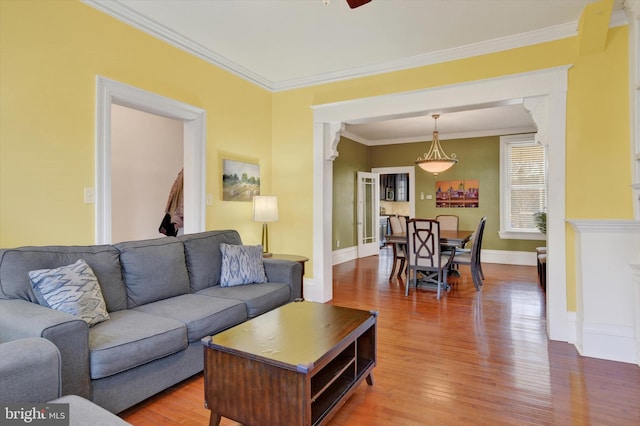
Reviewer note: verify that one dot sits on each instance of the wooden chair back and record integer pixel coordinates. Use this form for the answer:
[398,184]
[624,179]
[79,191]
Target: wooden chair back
[423,244]
[448,222]
[395,225]
[425,255]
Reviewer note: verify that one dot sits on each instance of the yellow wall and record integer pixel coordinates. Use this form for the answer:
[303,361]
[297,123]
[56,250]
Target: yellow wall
[52,52]
[597,121]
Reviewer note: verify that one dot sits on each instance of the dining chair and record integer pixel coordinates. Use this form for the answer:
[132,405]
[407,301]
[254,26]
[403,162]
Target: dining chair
[448,222]
[472,257]
[397,225]
[541,253]
[424,255]
[403,222]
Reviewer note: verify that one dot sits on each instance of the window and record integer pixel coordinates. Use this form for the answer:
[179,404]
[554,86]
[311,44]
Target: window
[402,193]
[523,186]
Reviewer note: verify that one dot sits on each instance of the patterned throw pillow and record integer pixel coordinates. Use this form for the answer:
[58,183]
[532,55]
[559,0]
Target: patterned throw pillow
[73,289]
[241,265]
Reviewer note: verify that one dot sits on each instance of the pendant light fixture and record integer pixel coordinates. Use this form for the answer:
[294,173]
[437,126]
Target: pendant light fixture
[436,161]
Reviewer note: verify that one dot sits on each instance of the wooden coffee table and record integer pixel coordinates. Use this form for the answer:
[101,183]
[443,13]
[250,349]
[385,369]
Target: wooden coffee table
[295,365]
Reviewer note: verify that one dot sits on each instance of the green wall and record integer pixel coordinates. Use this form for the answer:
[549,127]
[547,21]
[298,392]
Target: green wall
[478,158]
[354,157]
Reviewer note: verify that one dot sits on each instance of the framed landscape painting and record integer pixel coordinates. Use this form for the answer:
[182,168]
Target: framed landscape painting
[240,181]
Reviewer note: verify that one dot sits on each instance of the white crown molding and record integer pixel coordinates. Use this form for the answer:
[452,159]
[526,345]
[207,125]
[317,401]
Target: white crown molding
[129,16]
[429,137]
[618,18]
[475,49]
[632,7]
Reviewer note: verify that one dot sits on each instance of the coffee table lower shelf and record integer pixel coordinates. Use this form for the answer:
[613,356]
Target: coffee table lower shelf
[324,405]
[254,388]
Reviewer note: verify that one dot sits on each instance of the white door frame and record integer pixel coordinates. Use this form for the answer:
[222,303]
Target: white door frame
[544,95]
[411,170]
[112,92]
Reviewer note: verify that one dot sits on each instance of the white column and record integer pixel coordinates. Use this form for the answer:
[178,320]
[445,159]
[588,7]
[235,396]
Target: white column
[636,290]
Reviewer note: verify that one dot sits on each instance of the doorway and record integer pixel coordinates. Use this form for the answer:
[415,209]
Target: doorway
[409,170]
[111,92]
[146,157]
[544,95]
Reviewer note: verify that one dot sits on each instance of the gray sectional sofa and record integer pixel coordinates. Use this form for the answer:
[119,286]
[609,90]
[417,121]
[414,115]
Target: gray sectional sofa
[30,372]
[162,296]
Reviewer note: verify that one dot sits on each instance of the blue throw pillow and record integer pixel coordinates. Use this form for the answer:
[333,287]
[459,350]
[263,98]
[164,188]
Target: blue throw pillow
[73,289]
[241,265]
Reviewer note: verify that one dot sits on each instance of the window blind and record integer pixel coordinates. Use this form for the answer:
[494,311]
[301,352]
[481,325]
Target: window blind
[526,184]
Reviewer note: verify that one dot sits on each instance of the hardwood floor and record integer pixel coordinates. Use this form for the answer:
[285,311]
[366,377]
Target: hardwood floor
[477,358]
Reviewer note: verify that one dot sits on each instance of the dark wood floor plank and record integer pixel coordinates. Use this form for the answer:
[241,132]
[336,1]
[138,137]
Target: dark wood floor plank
[480,358]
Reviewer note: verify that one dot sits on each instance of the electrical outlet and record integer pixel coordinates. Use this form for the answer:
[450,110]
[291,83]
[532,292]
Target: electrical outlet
[89,195]
[337,243]
[429,197]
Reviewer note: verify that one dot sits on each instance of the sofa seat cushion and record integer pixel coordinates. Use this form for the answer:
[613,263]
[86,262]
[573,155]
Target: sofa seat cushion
[259,298]
[203,316]
[132,338]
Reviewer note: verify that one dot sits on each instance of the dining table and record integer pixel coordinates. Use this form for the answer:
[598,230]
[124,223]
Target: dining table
[448,238]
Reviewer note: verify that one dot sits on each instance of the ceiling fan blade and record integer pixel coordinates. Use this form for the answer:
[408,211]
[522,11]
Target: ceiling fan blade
[356,3]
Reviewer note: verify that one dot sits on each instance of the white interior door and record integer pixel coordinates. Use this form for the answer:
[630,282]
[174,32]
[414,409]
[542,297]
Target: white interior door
[368,214]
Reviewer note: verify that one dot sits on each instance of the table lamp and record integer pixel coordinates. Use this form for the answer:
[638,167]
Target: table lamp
[265,210]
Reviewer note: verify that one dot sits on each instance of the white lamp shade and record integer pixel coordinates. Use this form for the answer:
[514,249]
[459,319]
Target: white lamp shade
[265,208]
[436,166]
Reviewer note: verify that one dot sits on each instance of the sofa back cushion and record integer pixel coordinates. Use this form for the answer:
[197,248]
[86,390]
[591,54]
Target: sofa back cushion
[204,260]
[153,269]
[16,263]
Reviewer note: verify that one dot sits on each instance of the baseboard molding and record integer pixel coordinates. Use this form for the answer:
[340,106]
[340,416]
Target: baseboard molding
[572,325]
[311,291]
[525,258]
[344,255]
[608,341]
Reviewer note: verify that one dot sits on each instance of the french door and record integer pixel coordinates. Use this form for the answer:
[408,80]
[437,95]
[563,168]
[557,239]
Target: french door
[368,214]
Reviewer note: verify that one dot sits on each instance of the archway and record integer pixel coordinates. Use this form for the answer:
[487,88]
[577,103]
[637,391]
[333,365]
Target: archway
[543,93]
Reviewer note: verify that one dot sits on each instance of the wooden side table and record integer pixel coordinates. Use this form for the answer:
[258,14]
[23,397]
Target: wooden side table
[294,258]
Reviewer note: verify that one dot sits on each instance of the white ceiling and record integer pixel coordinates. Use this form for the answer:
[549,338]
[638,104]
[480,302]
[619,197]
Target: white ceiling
[285,44]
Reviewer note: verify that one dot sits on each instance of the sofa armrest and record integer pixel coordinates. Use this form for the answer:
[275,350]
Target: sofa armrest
[85,412]
[20,319]
[30,371]
[287,272]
